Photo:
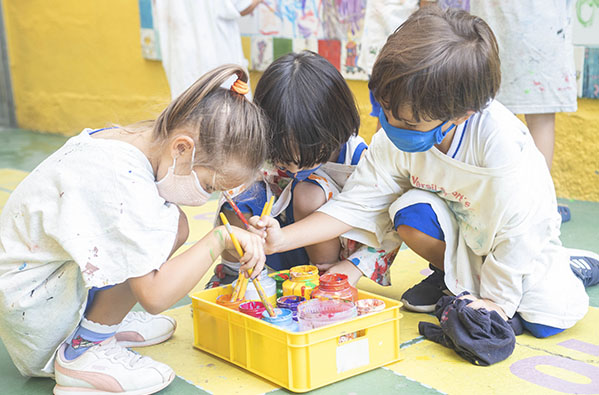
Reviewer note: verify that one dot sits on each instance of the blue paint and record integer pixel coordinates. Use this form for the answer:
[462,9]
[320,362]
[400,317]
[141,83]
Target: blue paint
[22,266]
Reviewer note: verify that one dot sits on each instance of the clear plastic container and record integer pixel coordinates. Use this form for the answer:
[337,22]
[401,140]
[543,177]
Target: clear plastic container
[335,286]
[316,313]
[269,285]
[225,300]
[369,306]
[290,302]
[282,319]
[302,280]
[254,309]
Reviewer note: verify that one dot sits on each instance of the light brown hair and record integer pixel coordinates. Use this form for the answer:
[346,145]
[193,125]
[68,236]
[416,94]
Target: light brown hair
[440,64]
[226,126]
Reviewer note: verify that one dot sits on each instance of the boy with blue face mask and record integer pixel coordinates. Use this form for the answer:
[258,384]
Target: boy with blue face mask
[457,177]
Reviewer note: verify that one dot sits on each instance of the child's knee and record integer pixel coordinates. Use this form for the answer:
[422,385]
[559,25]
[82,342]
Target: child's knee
[307,198]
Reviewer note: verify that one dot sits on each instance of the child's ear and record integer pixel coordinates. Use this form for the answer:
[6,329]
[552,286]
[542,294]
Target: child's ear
[182,147]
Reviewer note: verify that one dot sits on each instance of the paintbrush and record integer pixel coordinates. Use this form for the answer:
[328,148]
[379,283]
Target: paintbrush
[256,282]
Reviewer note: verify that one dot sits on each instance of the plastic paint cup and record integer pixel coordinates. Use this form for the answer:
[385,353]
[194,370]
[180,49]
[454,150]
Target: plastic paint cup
[269,285]
[290,302]
[283,319]
[367,306]
[225,301]
[315,313]
[255,309]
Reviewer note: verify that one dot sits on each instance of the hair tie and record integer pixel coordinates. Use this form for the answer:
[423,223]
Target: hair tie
[240,87]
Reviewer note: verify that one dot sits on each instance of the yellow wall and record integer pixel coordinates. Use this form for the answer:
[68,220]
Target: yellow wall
[78,63]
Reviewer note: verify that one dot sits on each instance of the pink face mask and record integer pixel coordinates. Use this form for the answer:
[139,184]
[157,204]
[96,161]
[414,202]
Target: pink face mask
[185,190]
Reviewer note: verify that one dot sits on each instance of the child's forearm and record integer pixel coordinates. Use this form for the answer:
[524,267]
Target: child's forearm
[313,229]
[161,288]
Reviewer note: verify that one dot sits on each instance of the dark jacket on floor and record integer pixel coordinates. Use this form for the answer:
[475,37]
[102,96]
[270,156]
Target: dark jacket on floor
[481,337]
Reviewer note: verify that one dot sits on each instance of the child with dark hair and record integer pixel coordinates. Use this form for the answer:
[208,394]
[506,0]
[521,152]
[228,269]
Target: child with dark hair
[457,177]
[313,148]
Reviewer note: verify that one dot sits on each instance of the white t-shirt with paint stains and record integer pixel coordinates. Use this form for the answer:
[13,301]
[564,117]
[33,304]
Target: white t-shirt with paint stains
[88,216]
[498,190]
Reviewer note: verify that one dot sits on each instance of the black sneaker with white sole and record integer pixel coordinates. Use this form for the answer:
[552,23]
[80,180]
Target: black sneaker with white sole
[423,296]
[585,264]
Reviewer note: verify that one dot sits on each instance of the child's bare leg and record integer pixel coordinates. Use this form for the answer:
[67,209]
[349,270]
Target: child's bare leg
[344,267]
[307,198]
[111,305]
[542,130]
[428,247]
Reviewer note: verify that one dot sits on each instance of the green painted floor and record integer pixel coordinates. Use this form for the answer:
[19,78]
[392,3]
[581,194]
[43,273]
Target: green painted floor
[23,150]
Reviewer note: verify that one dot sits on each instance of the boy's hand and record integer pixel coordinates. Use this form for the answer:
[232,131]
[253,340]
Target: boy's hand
[270,230]
[253,248]
[485,304]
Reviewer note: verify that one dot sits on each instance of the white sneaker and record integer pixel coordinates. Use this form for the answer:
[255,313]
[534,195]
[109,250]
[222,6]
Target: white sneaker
[107,368]
[140,329]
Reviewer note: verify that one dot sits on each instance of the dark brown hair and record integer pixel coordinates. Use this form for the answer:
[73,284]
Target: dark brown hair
[227,127]
[311,109]
[440,64]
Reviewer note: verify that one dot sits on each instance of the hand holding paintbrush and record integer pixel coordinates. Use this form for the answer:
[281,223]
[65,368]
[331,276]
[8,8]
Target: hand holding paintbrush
[242,281]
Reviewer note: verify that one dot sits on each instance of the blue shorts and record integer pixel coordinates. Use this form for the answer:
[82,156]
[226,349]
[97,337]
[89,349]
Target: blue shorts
[422,217]
[540,330]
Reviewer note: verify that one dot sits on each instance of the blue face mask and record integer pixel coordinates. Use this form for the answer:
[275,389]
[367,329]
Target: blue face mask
[411,140]
[302,174]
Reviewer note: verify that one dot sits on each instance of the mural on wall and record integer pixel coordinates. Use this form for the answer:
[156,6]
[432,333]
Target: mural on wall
[323,26]
[336,30]
[586,23]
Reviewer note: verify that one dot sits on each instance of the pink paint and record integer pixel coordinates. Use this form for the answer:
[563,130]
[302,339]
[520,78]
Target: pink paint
[254,309]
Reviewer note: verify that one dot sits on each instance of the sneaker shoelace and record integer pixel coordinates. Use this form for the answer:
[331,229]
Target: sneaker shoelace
[136,315]
[122,354]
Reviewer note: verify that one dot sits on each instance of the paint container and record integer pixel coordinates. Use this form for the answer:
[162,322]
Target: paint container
[255,309]
[316,313]
[269,285]
[290,302]
[280,277]
[302,280]
[282,319]
[225,300]
[335,286]
[368,306]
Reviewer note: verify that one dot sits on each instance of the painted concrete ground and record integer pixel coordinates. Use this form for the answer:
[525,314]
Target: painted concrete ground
[566,363]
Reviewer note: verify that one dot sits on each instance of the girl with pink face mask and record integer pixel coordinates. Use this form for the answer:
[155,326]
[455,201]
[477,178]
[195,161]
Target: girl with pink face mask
[91,232]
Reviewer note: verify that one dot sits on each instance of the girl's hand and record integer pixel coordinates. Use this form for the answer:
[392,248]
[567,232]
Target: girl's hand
[270,230]
[485,304]
[253,248]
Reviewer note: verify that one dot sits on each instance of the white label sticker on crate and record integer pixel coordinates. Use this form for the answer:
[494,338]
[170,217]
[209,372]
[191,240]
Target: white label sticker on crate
[352,355]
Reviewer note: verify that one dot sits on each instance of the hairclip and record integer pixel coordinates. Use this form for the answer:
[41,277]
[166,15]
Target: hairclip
[240,87]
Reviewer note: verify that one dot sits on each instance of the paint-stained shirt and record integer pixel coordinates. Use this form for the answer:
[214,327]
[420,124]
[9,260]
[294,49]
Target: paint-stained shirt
[88,216]
[500,191]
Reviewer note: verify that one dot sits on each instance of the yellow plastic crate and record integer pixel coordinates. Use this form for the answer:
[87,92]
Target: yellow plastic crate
[298,361]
